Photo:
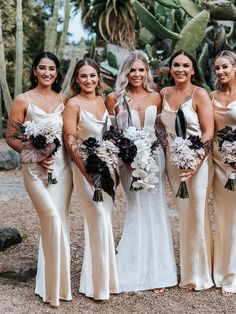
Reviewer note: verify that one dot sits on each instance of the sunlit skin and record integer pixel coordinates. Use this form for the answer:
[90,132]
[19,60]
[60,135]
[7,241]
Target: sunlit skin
[45,72]
[137,74]
[87,79]
[225,71]
[182,69]
[42,95]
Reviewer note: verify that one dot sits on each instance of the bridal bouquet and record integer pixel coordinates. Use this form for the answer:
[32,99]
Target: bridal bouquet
[227,145]
[40,142]
[186,154]
[144,163]
[100,161]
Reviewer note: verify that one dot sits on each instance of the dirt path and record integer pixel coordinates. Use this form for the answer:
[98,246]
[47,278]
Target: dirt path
[18,297]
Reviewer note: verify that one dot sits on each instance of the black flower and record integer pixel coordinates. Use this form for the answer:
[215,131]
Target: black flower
[196,142]
[91,143]
[39,141]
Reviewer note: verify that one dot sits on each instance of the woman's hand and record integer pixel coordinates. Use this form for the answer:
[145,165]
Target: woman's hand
[187,174]
[47,163]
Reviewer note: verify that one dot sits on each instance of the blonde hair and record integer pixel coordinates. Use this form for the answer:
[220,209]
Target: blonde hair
[122,81]
[229,55]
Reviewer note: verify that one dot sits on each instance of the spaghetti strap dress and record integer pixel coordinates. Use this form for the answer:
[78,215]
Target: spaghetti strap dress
[52,205]
[224,204]
[99,275]
[196,245]
[145,257]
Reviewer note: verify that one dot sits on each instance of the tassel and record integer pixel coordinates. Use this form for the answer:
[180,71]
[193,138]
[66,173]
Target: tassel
[51,180]
[230,185]
[182,190]
[97,196]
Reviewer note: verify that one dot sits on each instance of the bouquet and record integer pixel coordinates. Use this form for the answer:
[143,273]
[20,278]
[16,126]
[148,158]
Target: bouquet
[227,145]
[144,162]
[40,142]
[186,154]
[100,161]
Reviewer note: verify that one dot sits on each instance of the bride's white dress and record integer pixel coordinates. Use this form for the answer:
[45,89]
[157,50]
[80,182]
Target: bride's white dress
[145,258]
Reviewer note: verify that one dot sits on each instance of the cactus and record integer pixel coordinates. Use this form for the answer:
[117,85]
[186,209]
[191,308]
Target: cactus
[112,60]
[191,8]
[3,80]
[65,29]
[193,33]
[152,24]
[171,4]
[52,31]
[19,49]
[221,10]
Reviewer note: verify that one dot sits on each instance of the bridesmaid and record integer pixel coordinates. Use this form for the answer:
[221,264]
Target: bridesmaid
[85,116]
[145,256]
[44,103]
[195,233]
[224,101]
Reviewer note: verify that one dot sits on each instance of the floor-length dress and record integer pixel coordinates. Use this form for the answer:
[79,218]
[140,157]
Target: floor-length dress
[145,258]
[52,205]
[195,230]
[99,272]
[224,269]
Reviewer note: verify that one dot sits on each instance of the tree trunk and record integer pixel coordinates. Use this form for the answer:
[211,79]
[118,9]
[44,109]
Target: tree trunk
[65,29]
[19,49]
[3,80]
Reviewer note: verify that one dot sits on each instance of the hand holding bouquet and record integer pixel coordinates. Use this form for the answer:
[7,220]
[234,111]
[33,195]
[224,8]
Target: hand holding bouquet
[186,154]
[227,145]
[100,160]
[40,142]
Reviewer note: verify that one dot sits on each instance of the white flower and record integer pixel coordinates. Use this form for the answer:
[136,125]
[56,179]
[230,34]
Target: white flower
[31,129]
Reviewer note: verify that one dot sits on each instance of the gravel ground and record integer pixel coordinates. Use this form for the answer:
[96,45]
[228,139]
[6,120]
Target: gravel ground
[16,211]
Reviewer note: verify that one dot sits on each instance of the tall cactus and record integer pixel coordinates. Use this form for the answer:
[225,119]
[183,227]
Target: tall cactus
[3,80]
[19,49]
[52,29]
[65,29]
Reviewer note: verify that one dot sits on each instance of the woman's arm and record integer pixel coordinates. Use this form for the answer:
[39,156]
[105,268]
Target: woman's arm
[70,117]
[17,114]
[204,109]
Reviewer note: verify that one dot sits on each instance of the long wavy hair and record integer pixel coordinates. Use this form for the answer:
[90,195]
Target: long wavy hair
[56,86]
[122,81]
[229,55]
[195,78]
[74,86]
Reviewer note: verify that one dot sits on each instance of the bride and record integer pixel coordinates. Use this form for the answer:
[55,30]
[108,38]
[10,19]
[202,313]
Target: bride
[145,258]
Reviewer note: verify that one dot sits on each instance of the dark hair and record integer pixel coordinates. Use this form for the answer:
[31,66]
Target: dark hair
[74,86]
[56,86]
[196,78]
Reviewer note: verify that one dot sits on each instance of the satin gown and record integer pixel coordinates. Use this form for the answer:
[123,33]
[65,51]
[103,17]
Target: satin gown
[145,258]
[99,272]
[225,210]
[195,230]
[52,206]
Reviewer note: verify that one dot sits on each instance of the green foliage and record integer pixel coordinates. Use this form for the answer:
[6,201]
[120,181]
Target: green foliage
[112,60]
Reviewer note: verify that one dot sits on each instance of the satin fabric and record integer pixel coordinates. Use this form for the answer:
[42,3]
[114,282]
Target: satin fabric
[224,204]
[195,231]
[145,258]
[52,206]
[99,272]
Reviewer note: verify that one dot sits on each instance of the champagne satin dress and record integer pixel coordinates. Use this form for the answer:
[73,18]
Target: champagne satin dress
[52,206]
[145,258]
[225,207]
[99,272]
[195,232]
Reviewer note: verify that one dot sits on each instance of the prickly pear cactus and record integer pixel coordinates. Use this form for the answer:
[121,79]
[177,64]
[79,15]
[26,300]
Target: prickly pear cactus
[193,33]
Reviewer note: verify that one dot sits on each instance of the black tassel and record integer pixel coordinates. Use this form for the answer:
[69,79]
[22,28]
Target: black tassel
[97,196]
[182,190]
[180,124]
[230,185]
